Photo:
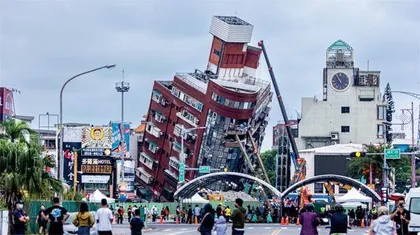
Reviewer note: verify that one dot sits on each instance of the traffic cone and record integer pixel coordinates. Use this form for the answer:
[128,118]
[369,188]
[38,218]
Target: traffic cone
[195,220]
[282,221]
[287,220]
[363,223]
[161,220]
[298,221]
[176,220]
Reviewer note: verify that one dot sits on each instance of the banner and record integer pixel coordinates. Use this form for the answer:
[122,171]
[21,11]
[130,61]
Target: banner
[68,149]
[117,136]
[6,104]
[96,137]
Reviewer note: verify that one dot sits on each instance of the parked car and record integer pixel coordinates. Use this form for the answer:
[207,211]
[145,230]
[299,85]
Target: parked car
[70,229]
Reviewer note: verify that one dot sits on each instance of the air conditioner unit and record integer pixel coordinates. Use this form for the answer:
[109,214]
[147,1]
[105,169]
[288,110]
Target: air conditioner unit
[334,142]
[196,121]
[334,136]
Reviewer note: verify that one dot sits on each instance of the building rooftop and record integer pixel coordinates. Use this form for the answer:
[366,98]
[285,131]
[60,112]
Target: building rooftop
[340,45]
[140,128]
[232,20]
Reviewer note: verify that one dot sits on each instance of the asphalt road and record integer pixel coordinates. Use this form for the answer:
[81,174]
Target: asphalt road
[251,229]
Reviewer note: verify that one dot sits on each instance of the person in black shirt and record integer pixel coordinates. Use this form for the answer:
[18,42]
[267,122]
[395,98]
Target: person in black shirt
[20,219]
[41,221]
[189,215]
[338,220]
[402,218]
[136,224]
[57,216]
[207,222]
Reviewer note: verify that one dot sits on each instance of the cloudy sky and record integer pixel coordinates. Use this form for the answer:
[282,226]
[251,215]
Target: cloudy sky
[43,43]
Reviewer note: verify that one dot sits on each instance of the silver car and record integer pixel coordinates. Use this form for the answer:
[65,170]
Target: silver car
[70,229]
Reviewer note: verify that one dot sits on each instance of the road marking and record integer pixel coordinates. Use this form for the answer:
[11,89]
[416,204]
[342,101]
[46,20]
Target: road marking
[250,228]
[276,232]
[267,228]
[167,230]
[184,229]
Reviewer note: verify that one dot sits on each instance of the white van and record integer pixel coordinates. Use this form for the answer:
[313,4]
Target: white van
[412,201]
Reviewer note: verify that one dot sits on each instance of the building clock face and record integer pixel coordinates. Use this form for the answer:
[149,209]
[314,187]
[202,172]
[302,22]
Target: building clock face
[340,81]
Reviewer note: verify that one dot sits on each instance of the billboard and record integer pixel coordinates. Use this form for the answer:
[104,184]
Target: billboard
[72,133]
[68,149]
[96,137]
[117,136]
[6,103]
[96,165]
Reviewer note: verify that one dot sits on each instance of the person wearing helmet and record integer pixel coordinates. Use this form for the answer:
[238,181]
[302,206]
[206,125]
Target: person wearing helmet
[309,221]
[338,221]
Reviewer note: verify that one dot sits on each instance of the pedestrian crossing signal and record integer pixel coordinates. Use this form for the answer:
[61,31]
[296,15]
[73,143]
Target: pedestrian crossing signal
[358,154]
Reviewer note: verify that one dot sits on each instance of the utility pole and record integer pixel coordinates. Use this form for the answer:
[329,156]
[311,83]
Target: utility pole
[413,156]
[122,87]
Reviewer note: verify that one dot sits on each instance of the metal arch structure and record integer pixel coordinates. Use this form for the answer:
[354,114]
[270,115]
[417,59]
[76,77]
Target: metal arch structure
[190,188]
[337,178]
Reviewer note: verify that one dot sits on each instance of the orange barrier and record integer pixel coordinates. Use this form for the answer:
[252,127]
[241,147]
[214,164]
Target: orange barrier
[298,221]
[363,223]
[176,220]
[161,220]
[283,222]
[195,220]
[287,220]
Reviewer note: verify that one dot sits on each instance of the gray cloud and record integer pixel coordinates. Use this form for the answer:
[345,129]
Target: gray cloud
[45,42]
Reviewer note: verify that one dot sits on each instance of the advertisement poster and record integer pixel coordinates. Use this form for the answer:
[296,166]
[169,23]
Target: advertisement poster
[68,168]
[6,104]
[96,137]
[117,135]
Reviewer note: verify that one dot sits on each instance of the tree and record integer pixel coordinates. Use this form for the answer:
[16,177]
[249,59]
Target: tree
[269,160]
[361,166]
[22,168]
[390,109]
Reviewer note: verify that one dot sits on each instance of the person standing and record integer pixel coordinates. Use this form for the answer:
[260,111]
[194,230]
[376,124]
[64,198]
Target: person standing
[20,219]
[103,219]
[238,218]
[338,221]
[197,213]
[401,217]
[167,211]
[57,216]
[136,224]
[221,226]
[309,221]
[154,213]
[41,221]
[129,213]
[83,220]
[120,215]
[207,222]
[189,215]
[146,213]
[227,214]
[383,225]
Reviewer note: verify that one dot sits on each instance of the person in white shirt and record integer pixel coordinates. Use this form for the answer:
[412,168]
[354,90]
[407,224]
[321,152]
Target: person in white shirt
[104,219]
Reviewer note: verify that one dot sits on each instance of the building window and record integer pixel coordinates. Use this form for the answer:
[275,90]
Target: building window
[159,116]
[216,52]
[156,96]
[345,109]
[380,131]
[342,190]
[153,147]
[381,112]
[345,129]
[319,188]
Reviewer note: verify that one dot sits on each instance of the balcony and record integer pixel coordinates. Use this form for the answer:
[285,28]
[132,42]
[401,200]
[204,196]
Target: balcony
[143,175]
[153,130]
[240,129]
[184,116]
[147,161]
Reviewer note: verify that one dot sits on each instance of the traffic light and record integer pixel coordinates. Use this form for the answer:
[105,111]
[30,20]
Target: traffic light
[384,195]
[358,154]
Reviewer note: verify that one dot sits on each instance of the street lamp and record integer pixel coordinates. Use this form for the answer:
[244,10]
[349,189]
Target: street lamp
[122,87]
[61,165]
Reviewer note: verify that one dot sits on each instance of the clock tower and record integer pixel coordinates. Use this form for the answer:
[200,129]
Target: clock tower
[351,110]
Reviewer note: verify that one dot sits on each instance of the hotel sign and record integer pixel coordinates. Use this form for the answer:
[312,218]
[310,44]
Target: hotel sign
[96,165]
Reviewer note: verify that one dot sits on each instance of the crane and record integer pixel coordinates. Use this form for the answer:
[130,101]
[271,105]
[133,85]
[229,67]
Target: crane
[299,163]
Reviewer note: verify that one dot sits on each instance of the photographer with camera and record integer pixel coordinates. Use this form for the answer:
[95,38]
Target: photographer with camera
[401,217]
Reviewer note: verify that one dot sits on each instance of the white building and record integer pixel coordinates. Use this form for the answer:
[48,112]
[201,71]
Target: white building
[333,159]
[351,109]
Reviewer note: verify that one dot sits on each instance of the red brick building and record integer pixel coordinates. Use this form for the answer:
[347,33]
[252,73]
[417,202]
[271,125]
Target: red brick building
[226,99]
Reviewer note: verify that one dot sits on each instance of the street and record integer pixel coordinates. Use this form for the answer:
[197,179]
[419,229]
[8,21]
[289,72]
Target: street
[251,229]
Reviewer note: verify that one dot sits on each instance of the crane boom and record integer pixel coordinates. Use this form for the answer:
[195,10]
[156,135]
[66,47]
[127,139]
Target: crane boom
[280,100]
